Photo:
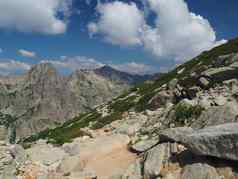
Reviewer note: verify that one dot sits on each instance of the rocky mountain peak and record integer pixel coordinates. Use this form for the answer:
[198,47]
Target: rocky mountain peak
[42,71]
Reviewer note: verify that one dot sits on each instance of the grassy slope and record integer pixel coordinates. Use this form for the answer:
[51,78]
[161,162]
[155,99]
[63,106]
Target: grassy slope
[137,98]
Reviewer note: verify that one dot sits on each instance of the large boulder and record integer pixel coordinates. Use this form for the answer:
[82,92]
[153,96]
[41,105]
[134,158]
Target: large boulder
[221,74]
[154,160]
[174,134]
[199,171]
[218,141]
[217,115]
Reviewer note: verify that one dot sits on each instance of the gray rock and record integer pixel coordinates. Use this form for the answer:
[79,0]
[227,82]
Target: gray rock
[6,160]
[45,154]
[134,171]
[144,145]
[221,74]
[154,161]
[174,134]
[217,141]
[204,82]
[71,148]
[217,115]
[172,84]
[18,153]
[199,171]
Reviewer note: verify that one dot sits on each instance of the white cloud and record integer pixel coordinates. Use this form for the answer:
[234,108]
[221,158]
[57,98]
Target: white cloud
[1,50]
[39,16]
[178,34]
[26,53]
[11,67]
[135,68]
[121,23]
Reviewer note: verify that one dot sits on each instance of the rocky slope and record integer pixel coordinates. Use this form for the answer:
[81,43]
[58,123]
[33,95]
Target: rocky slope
[181,126]
[43,99]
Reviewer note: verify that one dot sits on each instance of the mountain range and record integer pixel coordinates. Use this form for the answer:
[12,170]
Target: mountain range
[42,98]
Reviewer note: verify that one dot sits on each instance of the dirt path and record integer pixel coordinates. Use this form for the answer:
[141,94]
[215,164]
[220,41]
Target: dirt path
[109,159]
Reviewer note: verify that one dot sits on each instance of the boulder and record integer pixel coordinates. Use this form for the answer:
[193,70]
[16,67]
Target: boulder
[134,171]
[199,171]
[204,82]
[72,148]
[18,153]
[45,154]
[161,99]
[219,141]
[217,115]
[221,74]
[154,160]
[174,134]
[144,145]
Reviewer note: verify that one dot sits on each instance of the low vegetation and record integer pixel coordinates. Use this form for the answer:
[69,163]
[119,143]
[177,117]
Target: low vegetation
[185,113]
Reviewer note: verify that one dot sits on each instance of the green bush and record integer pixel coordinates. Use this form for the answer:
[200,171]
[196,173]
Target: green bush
[183,113]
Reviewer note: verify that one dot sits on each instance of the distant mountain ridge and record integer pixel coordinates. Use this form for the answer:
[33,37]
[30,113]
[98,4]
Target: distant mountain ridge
[42,98]
[113,74]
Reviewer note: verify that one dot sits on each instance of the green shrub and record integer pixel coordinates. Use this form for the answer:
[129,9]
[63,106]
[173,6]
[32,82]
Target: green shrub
[183,113]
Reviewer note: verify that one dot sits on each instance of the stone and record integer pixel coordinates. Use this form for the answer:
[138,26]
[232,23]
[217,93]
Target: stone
[161,99]
[144,145]
[192,92]
[6,159]
[134,171]
[46,154]
[172,84]
[174,134]
[19,154]
[131,125]
[221,74]
[71,148]
[217,141]
[173,175]
[216,115]
[199,171]
[154,159]
[204,82]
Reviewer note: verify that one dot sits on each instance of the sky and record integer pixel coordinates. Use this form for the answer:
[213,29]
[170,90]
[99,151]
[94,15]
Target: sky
[136,36]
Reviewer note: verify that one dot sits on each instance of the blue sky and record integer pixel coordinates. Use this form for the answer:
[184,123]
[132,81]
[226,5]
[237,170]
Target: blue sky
[28,38]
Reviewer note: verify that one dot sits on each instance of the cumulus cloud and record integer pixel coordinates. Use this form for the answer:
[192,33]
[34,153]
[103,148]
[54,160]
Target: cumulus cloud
[178,34]
[26,53]
[12,67]
[35,16]
[119,22]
